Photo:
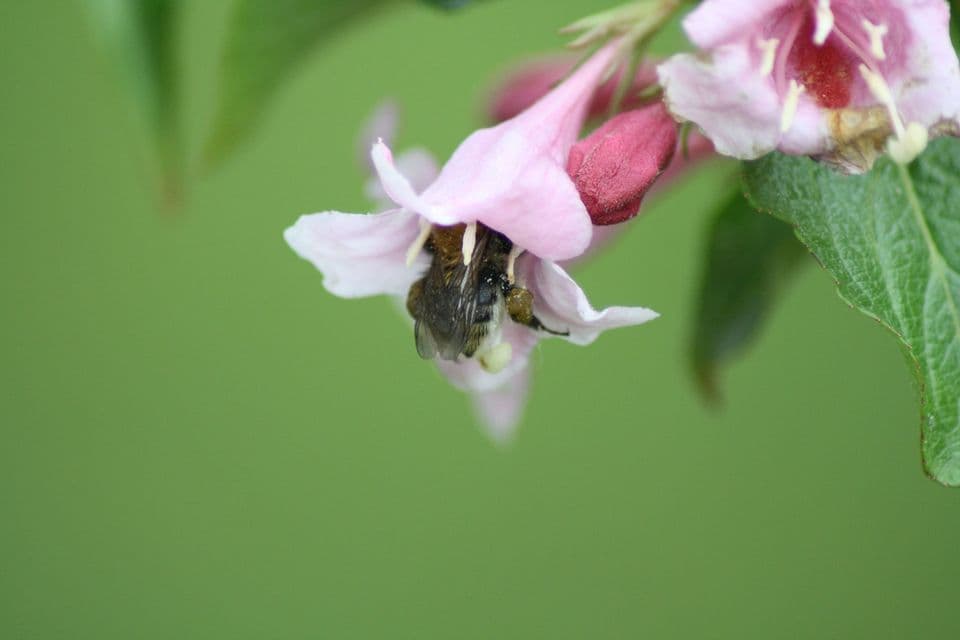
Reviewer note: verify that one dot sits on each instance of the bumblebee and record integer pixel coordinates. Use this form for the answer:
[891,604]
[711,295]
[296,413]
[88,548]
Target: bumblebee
[459,304]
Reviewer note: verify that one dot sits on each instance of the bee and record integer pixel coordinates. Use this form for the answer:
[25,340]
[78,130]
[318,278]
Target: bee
[459,304]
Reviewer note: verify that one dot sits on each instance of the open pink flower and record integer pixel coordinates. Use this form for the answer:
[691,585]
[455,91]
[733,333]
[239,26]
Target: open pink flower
[842,80]
[507,183]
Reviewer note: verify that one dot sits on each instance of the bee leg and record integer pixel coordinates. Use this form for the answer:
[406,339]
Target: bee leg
[519,302]
[413,298]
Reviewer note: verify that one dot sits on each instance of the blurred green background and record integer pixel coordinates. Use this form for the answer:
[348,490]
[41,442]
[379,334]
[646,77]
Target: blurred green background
[199,442]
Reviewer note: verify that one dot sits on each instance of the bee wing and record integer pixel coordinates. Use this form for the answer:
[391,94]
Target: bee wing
[445,303]
[426,343]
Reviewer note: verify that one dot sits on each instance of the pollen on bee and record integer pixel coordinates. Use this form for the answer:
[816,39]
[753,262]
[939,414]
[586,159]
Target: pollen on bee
[496,358]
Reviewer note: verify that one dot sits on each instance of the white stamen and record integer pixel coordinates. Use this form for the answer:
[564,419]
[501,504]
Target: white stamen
[420,240]
[790,106]
[496,358]
[876,33]
[908,141]
[824,22]
[881,91]
[769,48]
[515,252]
[908,146]
[469,242]
[878,86]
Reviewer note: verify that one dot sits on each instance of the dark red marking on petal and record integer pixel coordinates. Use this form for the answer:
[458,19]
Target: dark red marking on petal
[827,72]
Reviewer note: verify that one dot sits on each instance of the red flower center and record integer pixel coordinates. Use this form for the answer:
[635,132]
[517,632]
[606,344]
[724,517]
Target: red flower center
[826,72]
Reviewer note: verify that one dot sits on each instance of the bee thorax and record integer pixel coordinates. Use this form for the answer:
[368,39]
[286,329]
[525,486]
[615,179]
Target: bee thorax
[460,303]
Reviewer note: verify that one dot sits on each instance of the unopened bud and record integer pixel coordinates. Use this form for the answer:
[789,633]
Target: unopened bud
[615,165]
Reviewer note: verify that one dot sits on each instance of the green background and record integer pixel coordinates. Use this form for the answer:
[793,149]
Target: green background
[199,442]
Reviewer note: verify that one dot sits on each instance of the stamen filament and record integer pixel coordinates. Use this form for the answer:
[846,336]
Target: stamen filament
[790,106]
[881,91]
[855,47]
[469,242]
[421,239]
[769,48]
[780,64]
[824,22]
[910,139]
[515,252]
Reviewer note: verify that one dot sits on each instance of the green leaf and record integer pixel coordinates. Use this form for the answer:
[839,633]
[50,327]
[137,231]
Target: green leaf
[266,42]
[891,240]
[750,257]
[955,22]
[141,36]
[448,4]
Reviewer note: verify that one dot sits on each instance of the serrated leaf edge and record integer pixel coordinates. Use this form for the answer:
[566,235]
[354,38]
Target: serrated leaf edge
[937,263]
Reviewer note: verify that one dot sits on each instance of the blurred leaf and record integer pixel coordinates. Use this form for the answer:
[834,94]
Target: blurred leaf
[140,34]
[266,42]
[448,4]
[955,22]
[749,258]
[891,240]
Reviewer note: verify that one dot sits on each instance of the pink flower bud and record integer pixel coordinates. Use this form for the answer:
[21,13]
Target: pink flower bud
[615,165]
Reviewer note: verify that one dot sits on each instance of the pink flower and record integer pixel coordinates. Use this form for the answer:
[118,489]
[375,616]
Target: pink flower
[842,80]
[476,244]
[530,81]
[615,165]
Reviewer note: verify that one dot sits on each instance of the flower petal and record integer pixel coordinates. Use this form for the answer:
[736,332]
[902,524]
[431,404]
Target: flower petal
[500,179]
[525,84]
[417,164]
[530,81]
[498,398]
[931,92]
[499,410]
[512,177]
[727,97]
[395,184]
[561,305]
[359,255]
[468,375]
[718,22]
[809,133]
[381,124]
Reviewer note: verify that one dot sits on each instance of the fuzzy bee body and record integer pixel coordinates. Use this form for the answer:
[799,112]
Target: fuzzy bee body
[459,308]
